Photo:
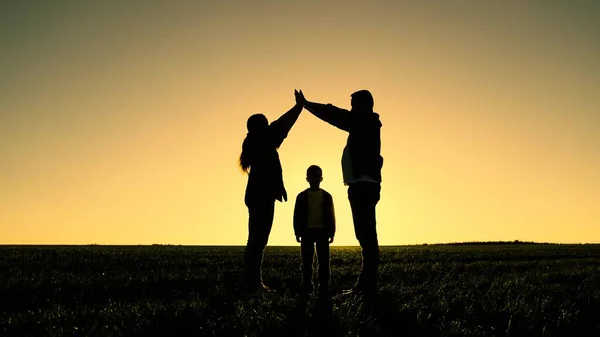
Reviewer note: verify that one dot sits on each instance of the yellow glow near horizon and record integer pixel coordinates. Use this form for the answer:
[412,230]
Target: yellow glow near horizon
[124,125]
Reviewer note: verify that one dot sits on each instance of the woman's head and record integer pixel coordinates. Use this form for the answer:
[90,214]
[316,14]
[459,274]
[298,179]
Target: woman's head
[257,123]
[256,126]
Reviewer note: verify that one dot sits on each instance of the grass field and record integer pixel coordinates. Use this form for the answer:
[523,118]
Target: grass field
[462,290]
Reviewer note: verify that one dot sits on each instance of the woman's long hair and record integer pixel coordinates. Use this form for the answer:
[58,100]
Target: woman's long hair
[255,140]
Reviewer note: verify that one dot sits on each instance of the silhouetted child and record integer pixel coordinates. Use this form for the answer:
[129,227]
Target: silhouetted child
[314,225]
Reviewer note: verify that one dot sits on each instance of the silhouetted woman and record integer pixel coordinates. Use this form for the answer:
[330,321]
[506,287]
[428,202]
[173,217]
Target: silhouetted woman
[260,160]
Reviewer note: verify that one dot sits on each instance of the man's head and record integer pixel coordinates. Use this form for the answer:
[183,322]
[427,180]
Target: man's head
[362,100]
[314,175]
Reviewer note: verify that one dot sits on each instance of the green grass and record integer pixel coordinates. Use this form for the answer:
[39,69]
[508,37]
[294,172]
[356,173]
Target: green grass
[478,290]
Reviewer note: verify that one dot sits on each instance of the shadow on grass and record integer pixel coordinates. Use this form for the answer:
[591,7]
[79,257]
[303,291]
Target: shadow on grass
[297,319]
[312,319]
[390,320]
[322,321]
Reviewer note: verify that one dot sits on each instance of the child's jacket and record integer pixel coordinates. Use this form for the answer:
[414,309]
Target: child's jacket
[301,213]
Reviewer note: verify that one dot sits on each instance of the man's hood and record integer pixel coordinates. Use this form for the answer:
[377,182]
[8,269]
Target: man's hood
[375,118]
[369,118]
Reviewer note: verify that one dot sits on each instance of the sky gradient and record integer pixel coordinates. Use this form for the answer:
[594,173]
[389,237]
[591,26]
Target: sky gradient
[122,122]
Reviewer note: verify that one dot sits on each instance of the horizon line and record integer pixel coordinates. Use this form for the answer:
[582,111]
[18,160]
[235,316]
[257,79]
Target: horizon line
[358,246]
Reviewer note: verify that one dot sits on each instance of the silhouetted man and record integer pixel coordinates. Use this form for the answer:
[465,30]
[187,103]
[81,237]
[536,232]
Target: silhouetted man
[361,167]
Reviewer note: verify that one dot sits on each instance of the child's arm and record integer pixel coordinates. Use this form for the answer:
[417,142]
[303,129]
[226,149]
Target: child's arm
[297,218]
[332,230]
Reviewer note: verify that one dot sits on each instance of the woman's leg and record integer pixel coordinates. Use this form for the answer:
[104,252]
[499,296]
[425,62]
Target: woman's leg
[260,221]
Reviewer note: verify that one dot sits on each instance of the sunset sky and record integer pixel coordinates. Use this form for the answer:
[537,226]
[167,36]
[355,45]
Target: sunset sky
[121,122]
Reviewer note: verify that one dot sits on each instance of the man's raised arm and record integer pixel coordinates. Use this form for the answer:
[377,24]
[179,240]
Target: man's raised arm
[329,113]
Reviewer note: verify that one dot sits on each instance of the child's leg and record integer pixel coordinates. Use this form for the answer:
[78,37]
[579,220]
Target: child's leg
[307,250]
[324,273]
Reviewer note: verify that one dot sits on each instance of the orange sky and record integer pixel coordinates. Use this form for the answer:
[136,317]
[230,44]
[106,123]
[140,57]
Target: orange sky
[122,123]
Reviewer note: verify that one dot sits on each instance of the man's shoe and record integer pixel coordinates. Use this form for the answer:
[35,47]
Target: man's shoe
[360,291]
[352,291]
[263,290]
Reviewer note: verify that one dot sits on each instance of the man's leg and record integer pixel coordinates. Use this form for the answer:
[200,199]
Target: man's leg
[324,272]
[363,198]
[307,248]
[260,221]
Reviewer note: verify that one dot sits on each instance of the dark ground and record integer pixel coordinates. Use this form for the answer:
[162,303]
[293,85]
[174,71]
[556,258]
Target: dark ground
[461,290]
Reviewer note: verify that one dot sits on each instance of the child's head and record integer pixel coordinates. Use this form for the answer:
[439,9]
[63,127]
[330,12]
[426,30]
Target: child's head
[314,175]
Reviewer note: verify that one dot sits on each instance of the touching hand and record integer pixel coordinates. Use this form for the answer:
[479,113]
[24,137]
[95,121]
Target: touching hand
[298,239]
[331,239]
[300,100]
